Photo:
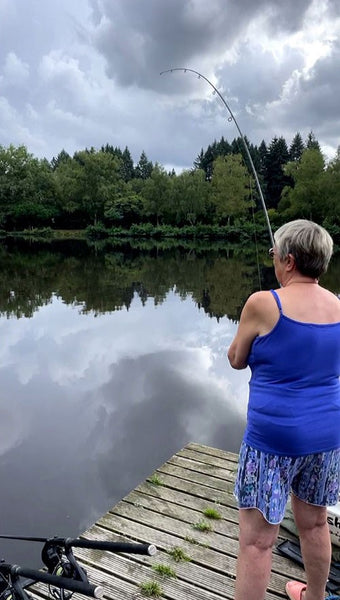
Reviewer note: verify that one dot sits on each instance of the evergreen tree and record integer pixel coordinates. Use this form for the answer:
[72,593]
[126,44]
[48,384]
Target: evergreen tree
[296,148]
[311,142]
[223,147]
[144,167]
[127,169]
[263,153]
[275,177]
[62,157]
[199,161]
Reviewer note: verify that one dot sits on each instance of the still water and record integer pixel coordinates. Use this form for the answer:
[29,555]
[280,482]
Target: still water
[111,360]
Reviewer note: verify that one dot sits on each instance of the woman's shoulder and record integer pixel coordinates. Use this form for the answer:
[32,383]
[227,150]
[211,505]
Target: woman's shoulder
[261,300]
[263,305]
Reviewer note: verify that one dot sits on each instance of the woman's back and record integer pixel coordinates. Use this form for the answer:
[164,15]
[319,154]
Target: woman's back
[294,403]
[309,303]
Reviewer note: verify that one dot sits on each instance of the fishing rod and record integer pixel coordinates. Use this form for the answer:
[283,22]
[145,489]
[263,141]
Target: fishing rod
[64,572]
[127,547]
[232,118]
[11,586]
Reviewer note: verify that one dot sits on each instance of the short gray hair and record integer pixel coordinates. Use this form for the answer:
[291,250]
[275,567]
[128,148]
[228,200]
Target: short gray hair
[309,243]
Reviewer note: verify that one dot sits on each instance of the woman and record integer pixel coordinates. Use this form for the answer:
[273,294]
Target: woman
[290,338]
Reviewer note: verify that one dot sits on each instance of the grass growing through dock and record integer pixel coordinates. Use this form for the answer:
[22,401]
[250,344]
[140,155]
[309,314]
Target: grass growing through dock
[212,513]
[164,570]
[202,526]
[178,554]
[155,479]
[151,589]
[192,540]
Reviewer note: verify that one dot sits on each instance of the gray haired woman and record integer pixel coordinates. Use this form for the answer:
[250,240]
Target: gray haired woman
[290,338]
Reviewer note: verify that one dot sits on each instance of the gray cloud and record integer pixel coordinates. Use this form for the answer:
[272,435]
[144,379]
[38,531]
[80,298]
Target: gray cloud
[137,44]
[313,103]
[84,74]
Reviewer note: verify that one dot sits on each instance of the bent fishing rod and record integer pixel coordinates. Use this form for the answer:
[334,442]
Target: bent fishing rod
[232,118]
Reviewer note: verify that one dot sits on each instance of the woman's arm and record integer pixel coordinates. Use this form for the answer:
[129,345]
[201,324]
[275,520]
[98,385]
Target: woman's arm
[248,330]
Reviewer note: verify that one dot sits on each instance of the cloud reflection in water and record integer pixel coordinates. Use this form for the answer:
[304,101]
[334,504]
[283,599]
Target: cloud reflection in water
[93,405]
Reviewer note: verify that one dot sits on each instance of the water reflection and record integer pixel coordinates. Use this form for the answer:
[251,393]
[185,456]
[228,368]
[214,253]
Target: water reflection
[114,368]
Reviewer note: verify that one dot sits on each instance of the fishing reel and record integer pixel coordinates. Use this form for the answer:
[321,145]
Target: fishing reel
[61,561]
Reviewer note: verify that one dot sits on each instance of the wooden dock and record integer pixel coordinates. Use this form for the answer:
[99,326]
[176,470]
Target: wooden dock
[169,514]
[168,510]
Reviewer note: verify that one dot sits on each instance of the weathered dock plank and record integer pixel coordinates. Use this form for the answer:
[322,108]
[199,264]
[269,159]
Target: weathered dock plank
[169,515]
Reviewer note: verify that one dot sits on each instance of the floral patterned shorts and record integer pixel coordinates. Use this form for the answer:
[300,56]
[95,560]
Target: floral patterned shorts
[264,481]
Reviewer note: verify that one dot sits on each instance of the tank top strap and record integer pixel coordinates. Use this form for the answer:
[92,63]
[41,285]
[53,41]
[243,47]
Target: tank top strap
[278,301]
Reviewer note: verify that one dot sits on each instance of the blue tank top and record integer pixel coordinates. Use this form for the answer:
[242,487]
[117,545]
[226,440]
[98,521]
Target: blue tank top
[294,390]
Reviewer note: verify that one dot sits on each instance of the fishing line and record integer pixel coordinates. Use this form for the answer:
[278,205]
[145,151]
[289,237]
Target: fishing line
[232,118]
[255,235]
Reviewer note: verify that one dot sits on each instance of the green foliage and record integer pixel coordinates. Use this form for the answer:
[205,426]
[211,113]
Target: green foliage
[202,526]
[311,142]
[156,194]
[98,181]
[189,197]
[178,554]
[296,148]
[306,198]
[155,479]
[96,232]
[212,513]
[151,589]
[231,186]
[27,189]
[125,207]
[275,176]
[102,277]
[210,202]
[164,570]
[45,232]
[144,167]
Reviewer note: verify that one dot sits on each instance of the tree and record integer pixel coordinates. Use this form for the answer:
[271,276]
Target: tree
[62,157]
[230,187]
[144,167]
[296,148]
[205,159]
[311,142]
[125,207]
[127,169]
[332,190]
[86,183]
[27,189]
[275,177]
[189,196]
[306,198]
[156,193]
[100,179]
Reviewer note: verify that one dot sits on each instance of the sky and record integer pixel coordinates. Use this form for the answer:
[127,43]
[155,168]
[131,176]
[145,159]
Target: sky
[87,72]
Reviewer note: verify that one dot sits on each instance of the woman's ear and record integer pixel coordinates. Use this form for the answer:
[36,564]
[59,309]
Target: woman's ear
[291,264]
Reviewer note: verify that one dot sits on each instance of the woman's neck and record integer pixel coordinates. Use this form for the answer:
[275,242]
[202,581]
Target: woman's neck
[298,279]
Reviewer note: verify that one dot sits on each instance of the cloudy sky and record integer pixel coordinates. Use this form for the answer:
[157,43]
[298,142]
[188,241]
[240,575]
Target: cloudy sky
[81,73]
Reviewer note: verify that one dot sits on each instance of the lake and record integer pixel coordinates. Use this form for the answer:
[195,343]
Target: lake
[112,359]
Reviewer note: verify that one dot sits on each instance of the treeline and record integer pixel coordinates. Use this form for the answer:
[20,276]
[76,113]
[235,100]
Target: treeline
[105,189]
